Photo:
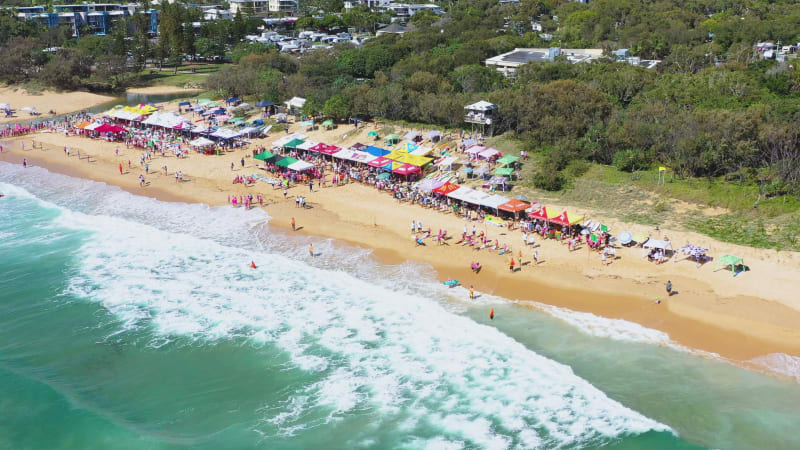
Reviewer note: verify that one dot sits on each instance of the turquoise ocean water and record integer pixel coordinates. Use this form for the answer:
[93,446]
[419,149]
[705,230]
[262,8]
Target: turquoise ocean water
[126,322]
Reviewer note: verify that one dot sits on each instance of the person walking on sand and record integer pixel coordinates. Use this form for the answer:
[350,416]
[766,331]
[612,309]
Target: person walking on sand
[471,292]
[242,162]
[535,257]
[311,249]
[519,259]
[603,258]
[294,224]
[669,288]
[511,265]
[120,168]
[491,313]
[25,162]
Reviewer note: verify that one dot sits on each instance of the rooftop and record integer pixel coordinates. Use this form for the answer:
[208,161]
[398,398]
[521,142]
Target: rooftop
[520,56]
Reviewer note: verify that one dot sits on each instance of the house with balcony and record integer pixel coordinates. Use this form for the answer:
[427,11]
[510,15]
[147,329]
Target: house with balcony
[481,114]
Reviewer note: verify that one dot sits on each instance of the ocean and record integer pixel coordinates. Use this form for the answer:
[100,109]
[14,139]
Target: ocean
[126,322]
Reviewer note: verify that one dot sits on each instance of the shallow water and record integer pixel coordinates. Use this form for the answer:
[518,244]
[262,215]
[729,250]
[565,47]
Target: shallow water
[127,322]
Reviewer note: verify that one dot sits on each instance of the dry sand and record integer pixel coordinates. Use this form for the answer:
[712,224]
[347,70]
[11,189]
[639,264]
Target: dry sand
[162,89]
[60,102]
[755,313]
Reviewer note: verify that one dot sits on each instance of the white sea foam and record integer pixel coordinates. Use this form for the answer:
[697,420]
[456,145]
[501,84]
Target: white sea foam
[780,363]
[384,348]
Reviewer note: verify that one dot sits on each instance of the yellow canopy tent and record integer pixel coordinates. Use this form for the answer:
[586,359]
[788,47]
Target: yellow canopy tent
[414,160]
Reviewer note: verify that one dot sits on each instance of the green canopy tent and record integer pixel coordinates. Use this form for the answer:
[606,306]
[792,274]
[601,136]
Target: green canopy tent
[293,143]
[392,139]
[508,159]
[327,123]
[729,260]
[286,162]
[265,156]
[505,172]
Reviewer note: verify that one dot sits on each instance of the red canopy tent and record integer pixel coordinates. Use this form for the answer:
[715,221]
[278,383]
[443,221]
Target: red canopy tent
[106,128]
[379,162]
[325,149]
[406,169]
[514,206]
[446,188]
[542,214]
[566,219]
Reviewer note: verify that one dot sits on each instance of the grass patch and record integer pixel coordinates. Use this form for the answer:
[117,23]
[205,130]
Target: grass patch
[151,76]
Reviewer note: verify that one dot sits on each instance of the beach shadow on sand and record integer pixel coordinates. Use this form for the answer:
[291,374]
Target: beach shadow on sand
[298,228]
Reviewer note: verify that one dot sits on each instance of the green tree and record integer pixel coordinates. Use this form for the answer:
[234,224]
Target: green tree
[337,107]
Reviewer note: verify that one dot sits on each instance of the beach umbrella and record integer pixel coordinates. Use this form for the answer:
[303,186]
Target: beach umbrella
[383,176]
[625,238]
[372,133]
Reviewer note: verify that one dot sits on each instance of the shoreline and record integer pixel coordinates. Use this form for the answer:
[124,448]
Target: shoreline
[60,102]
[696,318]
[161,89]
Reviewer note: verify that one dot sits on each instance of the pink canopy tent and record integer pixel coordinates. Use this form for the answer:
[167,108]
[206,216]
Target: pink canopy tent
[325,149]
[406,169]
[379,162]
[475,149]
[488,153]
[106,128]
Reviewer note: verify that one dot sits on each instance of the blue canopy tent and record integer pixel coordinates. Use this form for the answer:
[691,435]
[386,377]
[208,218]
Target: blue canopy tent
[377,151]
[232,100]
[185,104]
[258,122]
[264,104]
[219,111]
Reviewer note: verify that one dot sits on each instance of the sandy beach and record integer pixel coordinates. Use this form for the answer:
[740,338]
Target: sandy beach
[739,318]
[161,89]
[60,102]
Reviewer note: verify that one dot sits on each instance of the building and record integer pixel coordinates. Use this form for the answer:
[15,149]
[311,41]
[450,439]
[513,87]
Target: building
[216,13]
[283,6]
[262,8]
[371,4]
[624,55]
[402,11]
[99,18]
[481,113]
[507,63]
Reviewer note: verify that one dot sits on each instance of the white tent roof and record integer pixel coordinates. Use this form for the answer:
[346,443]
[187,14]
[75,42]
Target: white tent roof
[300,166]
[421,151]
[432,134]
[655,243]
[354,155]
[92,126]
[225,133]
[307,145]
[461,193]
[410,135]
[493,201]
[447,162]
[201,142]
[295,102]
[165,120]
[289,138]
[249,130]
[482,105]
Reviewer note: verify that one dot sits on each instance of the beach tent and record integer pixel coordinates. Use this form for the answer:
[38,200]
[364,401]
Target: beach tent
[354,155]
[488,153]
[433,135]
[729,260]
[203,101]
[429,184]
[106,128]
[566,219]
[542,214]
[421,151]
[232,100]
[264,104]
[185,104]
[325,149]
[405,169]
[307,145]
[265,156]
[504,171]
[83,124]
[201,142]
[392,139]
[93,126]
[514,206]
[467,143]
[462,193]
[493,201]
[293,143]
[286,162]
[446,188]
[410,146]
[225,133]
[288,138]
[655,243]
[300,166]
[447,162]
[381,162]
[408,158]
[358,146]
[410,136]
[377,151]
[508,159]
[475,149]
